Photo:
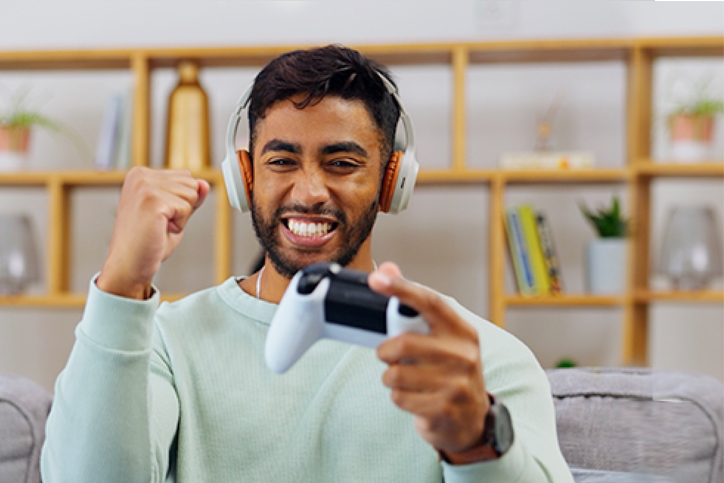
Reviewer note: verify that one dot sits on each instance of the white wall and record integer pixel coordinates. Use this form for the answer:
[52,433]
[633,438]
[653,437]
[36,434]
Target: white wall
[445,227]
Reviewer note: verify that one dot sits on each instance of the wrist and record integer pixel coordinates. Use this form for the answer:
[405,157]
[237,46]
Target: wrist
[494,442]
[124,288]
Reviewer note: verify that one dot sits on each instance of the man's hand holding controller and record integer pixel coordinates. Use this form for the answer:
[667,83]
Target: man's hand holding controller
[154,208]
[437,377]
[433,355]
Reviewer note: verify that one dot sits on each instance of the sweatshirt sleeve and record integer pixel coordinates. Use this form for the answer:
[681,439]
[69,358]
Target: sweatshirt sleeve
[115,410]
[515,377]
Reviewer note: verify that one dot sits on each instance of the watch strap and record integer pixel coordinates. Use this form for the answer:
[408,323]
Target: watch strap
[484,449]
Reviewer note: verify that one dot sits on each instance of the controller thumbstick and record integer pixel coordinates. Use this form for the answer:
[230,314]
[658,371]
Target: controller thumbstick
[407,311]
[308,283]
[313,274]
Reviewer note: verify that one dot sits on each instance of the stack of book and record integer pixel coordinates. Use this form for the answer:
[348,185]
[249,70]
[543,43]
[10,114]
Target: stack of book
[535,263]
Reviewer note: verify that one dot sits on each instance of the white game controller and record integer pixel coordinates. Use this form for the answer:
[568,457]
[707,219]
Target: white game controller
[327,301]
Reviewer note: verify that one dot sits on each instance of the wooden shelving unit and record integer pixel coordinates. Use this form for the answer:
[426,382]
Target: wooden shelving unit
[638,55]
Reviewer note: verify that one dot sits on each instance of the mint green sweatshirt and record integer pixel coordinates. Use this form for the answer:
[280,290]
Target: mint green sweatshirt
[181,393]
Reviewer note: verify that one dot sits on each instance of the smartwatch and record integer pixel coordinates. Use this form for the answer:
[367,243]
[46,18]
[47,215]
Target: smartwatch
[496,440]
[498,432]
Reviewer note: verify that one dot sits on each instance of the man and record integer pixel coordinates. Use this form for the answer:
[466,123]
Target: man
[182,392]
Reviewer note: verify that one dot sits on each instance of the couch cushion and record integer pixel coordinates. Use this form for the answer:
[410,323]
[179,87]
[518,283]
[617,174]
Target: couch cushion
[24,408]
[640,420]
[581,475]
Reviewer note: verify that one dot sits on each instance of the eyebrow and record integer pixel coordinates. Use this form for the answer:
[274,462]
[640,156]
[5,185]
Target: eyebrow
[279,145]
[344,147]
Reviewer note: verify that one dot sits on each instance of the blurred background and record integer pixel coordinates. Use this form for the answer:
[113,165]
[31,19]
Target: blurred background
[442,239]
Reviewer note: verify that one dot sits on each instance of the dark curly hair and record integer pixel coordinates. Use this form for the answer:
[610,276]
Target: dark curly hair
[333,70]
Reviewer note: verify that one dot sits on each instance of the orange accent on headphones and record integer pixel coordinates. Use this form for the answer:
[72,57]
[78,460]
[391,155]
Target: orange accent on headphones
[247,173]
[389,180]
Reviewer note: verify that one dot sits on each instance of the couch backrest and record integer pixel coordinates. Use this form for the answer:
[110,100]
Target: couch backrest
[24,407]
[641,421]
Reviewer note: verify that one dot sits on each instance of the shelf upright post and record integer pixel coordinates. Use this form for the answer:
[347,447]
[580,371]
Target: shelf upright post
[141,108]
[639,102]
[58,239]
[496,277]
[460,60]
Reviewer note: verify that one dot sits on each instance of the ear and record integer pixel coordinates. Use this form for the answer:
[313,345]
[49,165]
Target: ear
[389,180]
[247,176]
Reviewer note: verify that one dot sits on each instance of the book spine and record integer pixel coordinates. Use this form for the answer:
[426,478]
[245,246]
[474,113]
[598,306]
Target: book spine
[514,251]
[123,159]
[521,261]
[535,252]
[108,136]
[549,254]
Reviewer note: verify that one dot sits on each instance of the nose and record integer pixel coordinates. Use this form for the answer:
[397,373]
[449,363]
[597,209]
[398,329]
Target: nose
[310,188]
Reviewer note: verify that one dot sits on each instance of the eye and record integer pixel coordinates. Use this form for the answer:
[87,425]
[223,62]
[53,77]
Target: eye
[281,163]
[342,165]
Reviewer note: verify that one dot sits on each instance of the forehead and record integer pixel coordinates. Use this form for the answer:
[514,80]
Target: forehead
[330,120]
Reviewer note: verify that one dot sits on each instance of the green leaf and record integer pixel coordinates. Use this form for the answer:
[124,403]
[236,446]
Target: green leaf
[607,222]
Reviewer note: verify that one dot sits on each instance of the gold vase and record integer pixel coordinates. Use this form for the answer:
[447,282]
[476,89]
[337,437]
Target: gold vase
[187,129]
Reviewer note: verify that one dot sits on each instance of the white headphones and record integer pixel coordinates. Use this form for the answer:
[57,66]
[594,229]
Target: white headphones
[397,184]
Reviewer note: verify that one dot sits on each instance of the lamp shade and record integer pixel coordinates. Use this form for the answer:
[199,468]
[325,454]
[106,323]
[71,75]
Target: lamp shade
[691,253]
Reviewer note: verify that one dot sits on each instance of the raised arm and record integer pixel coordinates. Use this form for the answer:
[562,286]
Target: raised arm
[115,410]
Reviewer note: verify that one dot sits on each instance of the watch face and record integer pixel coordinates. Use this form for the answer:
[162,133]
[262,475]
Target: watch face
[503,430]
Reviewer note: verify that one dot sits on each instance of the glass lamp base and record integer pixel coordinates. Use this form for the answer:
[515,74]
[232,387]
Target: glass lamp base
[687,284]
[11,286]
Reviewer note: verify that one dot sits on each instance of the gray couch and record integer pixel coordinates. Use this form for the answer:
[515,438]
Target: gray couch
[614,426]
[24,407]
[639,426]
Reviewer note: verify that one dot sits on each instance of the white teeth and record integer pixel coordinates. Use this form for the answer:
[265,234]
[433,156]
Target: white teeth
[308,229]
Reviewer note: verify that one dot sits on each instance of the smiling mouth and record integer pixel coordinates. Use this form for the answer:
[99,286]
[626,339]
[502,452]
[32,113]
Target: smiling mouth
[309,229]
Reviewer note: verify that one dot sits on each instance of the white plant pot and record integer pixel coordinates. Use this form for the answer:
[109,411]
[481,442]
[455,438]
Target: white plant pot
[690,151]
[11,161]
[606,266]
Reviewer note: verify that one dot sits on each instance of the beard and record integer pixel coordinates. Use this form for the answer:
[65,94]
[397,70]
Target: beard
[352,236]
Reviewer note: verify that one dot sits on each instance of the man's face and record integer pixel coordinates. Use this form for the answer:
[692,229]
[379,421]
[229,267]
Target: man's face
[316,183]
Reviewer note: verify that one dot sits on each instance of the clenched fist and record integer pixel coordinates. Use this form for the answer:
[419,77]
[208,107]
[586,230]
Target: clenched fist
[152,213]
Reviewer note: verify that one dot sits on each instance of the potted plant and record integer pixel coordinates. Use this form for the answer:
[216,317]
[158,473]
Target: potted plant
[691,122]
[16,123]
[606,255]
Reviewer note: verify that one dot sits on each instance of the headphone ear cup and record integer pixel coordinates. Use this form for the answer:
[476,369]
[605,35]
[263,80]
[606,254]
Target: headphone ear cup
[389,180]
[247,176]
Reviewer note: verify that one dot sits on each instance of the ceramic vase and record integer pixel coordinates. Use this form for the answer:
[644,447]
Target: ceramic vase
[606,266]
[187,135]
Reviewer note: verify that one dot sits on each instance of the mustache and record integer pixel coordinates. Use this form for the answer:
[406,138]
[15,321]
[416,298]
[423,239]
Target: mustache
[321,210]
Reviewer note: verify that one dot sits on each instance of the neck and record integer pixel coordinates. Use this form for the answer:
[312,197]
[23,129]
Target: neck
[272,285]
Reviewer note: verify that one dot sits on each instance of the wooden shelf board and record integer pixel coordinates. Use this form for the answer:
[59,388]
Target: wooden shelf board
[669,169]
[565,176]
[84,178]
[683,47]
[425,177]
[454,176]
[710,296]
[527,51]
[65,59]
[64,300]
[564,300]
[44,301]
[569,50]
[31,178]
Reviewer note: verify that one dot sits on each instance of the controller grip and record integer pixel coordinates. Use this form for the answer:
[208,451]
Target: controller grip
[401,319]
[297,324]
